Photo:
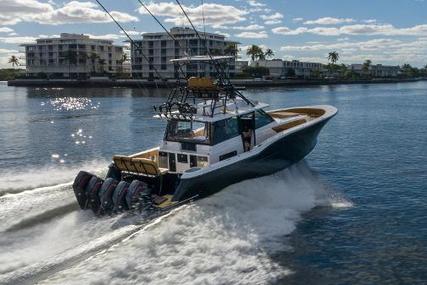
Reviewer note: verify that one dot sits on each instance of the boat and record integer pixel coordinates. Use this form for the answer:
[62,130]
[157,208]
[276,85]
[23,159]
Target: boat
[214,137]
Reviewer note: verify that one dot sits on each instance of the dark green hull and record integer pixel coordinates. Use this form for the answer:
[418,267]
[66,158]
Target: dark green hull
[277,156]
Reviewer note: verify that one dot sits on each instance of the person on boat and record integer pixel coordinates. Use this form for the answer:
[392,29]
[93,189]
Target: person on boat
[247,138]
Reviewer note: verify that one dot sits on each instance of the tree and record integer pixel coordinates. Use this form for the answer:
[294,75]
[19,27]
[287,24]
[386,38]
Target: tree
[256,72]
[14,61]
[71,58]
[269,53]
[333,57]
[93,57]
[255,52]
[231,49]
[102,63]
[122,60]
[366,65]
[409,71]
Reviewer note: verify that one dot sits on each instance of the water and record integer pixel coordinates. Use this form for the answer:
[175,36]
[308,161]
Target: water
[352,213]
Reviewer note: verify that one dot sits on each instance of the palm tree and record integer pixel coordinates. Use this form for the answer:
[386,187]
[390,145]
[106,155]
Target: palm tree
[71,58]
[93,57]
[101,62]
[121,61]
[269,53]
[255,52]
[366,65]
[333,57]
[14,61]
[231,49]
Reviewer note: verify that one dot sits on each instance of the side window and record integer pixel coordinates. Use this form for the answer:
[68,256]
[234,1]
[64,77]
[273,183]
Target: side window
[225,129]
[262,119]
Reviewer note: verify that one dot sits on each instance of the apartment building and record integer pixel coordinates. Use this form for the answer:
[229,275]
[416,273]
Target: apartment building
[289,69]
[378,70]
[73,56]
[160,48]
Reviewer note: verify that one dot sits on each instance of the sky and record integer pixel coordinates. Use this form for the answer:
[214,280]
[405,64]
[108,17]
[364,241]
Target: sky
[391,32]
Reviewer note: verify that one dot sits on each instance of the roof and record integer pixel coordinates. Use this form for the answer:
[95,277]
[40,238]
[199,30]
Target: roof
[232,110]
[201,58]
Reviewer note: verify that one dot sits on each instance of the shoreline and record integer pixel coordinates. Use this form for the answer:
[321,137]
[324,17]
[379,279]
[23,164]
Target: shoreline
[247,83]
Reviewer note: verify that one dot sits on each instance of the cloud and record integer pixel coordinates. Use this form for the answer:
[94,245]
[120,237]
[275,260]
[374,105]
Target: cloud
[6,30]
[250,27]
[381,50]
[254,3]
[81,12]
[272,19]
[15,11]
[358,29]
[275,16]
[17,40]
[7,51]
[253,35]
[329,21]
[216,15]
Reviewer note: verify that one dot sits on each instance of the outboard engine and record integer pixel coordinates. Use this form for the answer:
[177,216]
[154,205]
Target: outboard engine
[79,187]
[106,195]
[114,172]
[138,196]
[119,197]
[92,189]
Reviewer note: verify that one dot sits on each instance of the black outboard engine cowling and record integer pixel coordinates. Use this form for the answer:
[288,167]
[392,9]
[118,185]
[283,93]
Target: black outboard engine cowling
[92,189]
[119,197]
[138,196]
[79,187]
[106,195]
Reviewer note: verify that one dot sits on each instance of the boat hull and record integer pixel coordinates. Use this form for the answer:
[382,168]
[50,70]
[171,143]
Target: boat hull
[278,155]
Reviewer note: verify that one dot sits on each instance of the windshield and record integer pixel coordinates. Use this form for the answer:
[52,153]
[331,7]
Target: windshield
[188,131]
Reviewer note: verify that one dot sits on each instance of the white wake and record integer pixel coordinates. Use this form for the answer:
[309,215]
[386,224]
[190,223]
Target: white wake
[228,238]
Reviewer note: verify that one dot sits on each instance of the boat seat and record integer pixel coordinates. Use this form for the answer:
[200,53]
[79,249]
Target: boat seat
[141,166]
[203,83]
[288,125]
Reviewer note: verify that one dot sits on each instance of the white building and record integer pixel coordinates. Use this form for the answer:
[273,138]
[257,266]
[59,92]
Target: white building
[275,66]
[289,69]
[160,48]
[240,65]
[378,70]
[300,69]
[72,56]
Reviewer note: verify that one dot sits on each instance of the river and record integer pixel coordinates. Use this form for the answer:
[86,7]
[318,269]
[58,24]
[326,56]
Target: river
[354,212]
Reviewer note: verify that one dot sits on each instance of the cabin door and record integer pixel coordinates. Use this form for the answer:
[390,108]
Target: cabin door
[247,131]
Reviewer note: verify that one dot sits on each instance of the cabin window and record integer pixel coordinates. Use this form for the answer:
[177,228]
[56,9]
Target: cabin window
[189,131]
[262,119]
[225,129]
[163,159]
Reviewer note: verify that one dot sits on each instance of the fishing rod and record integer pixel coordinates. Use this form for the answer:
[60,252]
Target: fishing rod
[130,39]
[165,29]
[220,71]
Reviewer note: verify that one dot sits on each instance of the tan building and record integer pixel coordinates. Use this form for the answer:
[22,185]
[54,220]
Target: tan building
[73,56]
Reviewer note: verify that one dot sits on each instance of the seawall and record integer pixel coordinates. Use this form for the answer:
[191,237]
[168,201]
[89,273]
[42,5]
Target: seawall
[131,83]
